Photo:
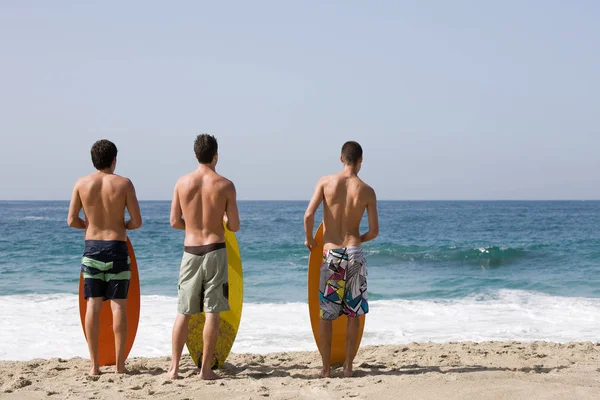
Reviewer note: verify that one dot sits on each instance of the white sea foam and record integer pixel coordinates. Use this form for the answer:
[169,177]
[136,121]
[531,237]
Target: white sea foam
[44,326]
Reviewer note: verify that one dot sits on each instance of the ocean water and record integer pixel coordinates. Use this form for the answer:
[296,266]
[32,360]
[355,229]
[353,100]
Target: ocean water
[439,271]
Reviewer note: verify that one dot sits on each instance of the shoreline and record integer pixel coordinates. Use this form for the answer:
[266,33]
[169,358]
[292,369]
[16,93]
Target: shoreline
[504,315]
[454,370]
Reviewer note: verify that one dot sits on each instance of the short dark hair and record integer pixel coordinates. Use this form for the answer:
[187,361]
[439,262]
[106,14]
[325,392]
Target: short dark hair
[351,153]
[205,148]
[103,154]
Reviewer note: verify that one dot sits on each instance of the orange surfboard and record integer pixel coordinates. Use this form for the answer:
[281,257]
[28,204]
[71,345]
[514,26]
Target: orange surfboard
[106,340]
[338,341]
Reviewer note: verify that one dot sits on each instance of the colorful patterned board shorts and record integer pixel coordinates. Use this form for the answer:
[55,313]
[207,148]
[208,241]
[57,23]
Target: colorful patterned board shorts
[343,283]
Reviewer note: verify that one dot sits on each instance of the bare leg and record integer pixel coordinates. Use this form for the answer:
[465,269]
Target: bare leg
[209,336]
[180,334]
[325,333]
[92,330]
[119,315]
[352,329]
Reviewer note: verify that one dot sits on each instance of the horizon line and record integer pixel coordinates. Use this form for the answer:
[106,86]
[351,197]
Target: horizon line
[306,200]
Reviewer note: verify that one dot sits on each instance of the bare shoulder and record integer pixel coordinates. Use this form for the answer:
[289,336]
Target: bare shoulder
[182,179]
[84,180]
[327,179]
[367,190]
[80,181]
[225,183]
[123,181]
[186,179]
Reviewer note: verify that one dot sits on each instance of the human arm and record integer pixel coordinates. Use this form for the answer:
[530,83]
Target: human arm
[133,208]
[372,218]
[73,219]
[232,215]
[309,215]
[176,218]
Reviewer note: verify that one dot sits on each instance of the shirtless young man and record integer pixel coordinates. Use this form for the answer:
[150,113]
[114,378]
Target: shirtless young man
[105,263]
[345,197]
[205,199]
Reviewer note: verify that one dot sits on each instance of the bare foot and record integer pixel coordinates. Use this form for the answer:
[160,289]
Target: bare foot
[325,373]
[95,371]
[173,373]
[122,370]
[348,373]
[208,375]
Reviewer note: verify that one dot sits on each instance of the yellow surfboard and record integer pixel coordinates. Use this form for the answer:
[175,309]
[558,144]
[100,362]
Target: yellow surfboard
[338,341]
[229,320]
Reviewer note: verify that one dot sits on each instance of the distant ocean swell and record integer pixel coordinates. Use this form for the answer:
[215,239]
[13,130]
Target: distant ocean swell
[491,255]
[426,251]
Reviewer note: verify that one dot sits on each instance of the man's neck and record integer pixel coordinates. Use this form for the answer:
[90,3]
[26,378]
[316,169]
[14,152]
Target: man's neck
[350,170]
[204,167]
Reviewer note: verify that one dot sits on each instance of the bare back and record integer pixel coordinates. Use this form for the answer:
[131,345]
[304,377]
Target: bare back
[345,199]
[203,197]
[104,199]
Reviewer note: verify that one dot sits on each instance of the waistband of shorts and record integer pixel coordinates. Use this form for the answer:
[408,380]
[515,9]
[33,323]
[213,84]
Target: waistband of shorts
[204,249]
[350,250]
[105,242]
[106,250]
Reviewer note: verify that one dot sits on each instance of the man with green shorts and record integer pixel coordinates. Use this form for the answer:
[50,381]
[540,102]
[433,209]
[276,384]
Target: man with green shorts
[203,283]
[205,199]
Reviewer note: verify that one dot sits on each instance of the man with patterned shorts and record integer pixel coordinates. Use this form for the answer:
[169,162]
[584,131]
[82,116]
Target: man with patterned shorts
[343,282]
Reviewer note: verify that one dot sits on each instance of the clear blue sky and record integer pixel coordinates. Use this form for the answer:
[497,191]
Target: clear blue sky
[450,99]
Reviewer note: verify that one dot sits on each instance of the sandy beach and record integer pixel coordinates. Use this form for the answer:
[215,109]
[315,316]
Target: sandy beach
[463,370]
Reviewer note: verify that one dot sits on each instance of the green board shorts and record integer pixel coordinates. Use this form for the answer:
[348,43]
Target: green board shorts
[203,285]
[105,267]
